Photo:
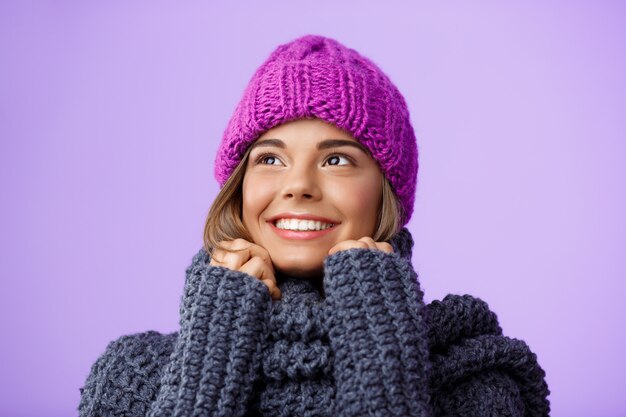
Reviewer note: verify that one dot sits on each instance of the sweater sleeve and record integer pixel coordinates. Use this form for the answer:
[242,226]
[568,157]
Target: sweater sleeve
[378,334]
[206,368]
[223,319]
[124,380]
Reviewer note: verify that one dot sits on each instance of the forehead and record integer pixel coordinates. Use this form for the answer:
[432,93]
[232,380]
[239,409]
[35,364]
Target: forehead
[306,129]
[307,133]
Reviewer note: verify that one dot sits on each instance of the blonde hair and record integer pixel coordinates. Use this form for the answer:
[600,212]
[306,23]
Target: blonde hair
[224,221]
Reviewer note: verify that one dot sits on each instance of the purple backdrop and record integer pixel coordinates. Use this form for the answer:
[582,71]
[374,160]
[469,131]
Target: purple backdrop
[110,115]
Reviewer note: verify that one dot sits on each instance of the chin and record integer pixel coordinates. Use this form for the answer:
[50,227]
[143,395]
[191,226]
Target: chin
[300,262]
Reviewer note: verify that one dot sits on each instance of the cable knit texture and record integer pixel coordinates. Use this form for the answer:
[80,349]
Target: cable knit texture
[367,347]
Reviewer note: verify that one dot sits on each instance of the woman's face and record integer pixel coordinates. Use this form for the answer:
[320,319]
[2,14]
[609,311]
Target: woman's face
[311,170]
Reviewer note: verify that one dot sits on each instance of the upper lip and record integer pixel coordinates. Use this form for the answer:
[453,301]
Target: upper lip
[303,216]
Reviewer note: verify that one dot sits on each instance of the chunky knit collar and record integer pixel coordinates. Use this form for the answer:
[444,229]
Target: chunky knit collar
[297,355]
[301,289]
[299,314]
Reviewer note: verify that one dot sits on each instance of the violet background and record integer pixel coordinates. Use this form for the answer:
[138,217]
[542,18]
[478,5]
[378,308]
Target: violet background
[111,113]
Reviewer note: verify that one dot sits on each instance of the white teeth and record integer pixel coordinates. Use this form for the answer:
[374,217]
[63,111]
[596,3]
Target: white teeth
[301,225]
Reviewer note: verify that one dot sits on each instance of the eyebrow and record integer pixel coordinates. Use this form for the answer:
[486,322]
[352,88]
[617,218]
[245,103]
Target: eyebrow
[325,144]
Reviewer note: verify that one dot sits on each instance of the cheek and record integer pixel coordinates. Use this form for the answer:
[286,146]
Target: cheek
[358,199]
[256,195]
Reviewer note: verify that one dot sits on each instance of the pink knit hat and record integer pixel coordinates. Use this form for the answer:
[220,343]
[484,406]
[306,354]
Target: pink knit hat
[317,77]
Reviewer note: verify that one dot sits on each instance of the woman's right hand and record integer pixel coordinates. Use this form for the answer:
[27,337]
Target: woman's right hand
[241,255]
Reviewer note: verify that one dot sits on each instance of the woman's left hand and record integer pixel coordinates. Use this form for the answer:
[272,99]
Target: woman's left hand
[363,243]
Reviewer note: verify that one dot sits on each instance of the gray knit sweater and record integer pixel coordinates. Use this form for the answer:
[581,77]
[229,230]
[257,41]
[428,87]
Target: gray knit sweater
[368,346]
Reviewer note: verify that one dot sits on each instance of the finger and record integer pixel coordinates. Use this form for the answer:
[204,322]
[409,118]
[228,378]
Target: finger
[257,268]
[217,257]
[219,252]
[254,266]
[237,244]
[340,246]
[234,260]
[348,244]
[242,245]
[264,274]
[268,278]
[371,244]
[385,247]
[261,252]
[273,288]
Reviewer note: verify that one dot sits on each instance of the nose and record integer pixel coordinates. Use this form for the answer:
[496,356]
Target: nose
[301,183]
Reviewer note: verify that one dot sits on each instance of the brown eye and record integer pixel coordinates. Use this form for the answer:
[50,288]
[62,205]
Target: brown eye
[336,160]
[267,159]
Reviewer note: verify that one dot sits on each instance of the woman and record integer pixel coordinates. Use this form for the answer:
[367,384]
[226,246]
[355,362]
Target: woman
[304,300]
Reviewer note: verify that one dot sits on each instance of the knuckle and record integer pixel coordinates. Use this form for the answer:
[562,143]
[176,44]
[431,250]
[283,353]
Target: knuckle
[239,242]
[263,254]
[240,256]
[232,258]
[257,260]
[269,282]
[385,249]
[235,245]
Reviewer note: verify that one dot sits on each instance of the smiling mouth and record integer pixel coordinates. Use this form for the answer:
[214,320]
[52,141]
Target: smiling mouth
[302,225]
